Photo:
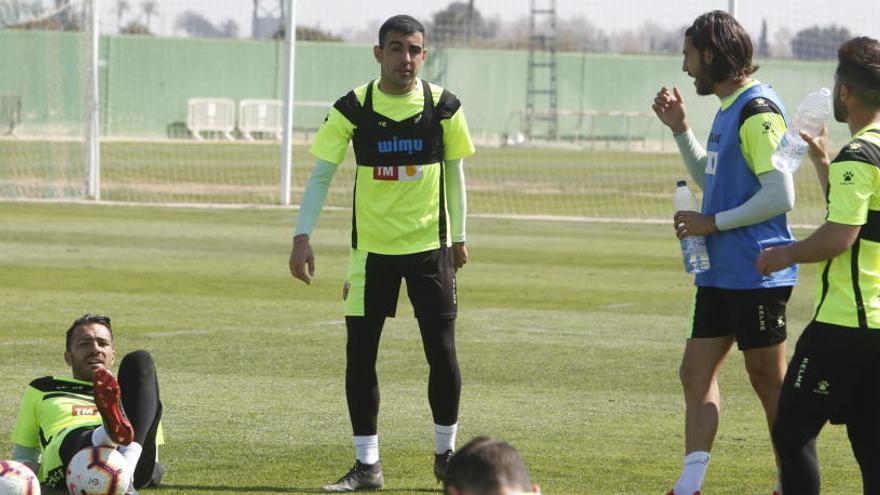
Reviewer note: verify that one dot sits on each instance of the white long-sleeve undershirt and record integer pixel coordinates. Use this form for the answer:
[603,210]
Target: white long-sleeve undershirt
[775,197]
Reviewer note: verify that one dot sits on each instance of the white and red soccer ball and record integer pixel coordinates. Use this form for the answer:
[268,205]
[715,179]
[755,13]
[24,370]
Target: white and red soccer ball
[17,479]
[97,471]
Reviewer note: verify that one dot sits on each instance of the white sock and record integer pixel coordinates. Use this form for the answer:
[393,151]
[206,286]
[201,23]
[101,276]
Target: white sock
[100,437]
[131,453]
[444,438]
[367,448]
[692,474]
[778,487]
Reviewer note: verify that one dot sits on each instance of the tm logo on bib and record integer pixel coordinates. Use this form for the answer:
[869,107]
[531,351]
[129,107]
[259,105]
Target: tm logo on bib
[82,410]
[398,172]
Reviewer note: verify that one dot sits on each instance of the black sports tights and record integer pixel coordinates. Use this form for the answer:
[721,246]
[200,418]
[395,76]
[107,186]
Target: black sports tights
[362,384]
[794,434]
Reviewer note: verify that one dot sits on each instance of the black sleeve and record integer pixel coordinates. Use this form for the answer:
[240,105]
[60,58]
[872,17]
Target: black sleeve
[755,106]
[448,104]
[860,150]
[349,107]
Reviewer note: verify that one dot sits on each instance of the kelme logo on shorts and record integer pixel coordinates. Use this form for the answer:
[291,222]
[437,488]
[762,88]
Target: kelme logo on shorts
[395,145]
[801,369]
[398,172]
[83,411]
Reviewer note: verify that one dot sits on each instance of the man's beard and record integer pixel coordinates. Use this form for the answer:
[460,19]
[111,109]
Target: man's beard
[704,86]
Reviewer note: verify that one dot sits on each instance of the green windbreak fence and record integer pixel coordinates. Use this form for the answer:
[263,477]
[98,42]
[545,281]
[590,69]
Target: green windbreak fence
[613,158]
[146,82]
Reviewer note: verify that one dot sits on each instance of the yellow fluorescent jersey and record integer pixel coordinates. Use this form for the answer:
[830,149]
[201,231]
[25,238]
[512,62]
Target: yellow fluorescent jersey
[53,406]
[399,208]
[848,288]
[761,128]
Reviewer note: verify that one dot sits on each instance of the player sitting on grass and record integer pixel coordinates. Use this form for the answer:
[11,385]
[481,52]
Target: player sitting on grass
[60,416]
[485,466]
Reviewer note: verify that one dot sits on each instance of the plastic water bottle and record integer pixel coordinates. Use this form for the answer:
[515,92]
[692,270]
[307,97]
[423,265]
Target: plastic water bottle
[693,247]
[811,114]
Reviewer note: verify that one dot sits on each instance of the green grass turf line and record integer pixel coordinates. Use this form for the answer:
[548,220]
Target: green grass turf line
[569,337]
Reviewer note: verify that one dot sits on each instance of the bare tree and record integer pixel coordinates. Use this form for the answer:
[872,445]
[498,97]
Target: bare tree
[65,16]
[150,8]
[229,29]
[196,25]
[579,34]
[16,12]
[763,43]
[781,47]
[818,43]
[122,6]
[135,27]
[460,22]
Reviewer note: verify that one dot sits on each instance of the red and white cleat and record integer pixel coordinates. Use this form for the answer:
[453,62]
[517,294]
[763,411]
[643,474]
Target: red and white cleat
[107,399]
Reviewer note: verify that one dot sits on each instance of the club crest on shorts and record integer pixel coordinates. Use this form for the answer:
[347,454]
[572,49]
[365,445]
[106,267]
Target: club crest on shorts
[401,173]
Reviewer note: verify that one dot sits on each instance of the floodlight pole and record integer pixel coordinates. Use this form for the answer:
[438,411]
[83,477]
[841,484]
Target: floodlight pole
[286,142]
[93,149]
[731,7]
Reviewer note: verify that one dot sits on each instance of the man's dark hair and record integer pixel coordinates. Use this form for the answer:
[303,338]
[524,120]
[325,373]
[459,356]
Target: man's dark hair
[729,43]
[484,465]
[87,319]
[402,24]
[859,68]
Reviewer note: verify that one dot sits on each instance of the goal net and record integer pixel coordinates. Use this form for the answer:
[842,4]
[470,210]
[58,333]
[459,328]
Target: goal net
[44,55]
[557,95]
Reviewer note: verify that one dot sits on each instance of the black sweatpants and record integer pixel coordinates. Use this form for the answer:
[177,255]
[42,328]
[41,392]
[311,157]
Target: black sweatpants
[833,376]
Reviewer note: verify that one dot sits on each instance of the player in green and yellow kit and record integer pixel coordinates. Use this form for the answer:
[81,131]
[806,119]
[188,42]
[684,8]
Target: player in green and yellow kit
[834,374]
[59,416]
[408,222]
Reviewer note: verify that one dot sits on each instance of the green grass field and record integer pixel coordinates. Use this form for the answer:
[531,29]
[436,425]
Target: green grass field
[569,339]
[508,180]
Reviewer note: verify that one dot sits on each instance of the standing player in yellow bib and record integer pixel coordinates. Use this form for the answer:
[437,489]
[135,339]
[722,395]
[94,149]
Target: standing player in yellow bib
[408,222]
[834,375]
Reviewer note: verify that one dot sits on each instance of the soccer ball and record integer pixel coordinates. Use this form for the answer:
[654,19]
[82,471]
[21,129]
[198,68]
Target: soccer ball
[17,479]
[97,471]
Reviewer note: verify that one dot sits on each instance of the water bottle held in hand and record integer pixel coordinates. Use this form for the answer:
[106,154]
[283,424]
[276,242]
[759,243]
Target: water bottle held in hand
[811,114]
[693,247]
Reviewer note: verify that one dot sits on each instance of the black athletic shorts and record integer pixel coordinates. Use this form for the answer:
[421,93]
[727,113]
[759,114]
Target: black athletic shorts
[835,373]
[372,283]
[756,317]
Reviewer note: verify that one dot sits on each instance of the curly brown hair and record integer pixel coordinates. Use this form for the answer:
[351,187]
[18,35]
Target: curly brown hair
[729,43]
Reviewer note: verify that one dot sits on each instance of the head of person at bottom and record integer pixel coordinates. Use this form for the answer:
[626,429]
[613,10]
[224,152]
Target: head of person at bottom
[487,466]
[89,346]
